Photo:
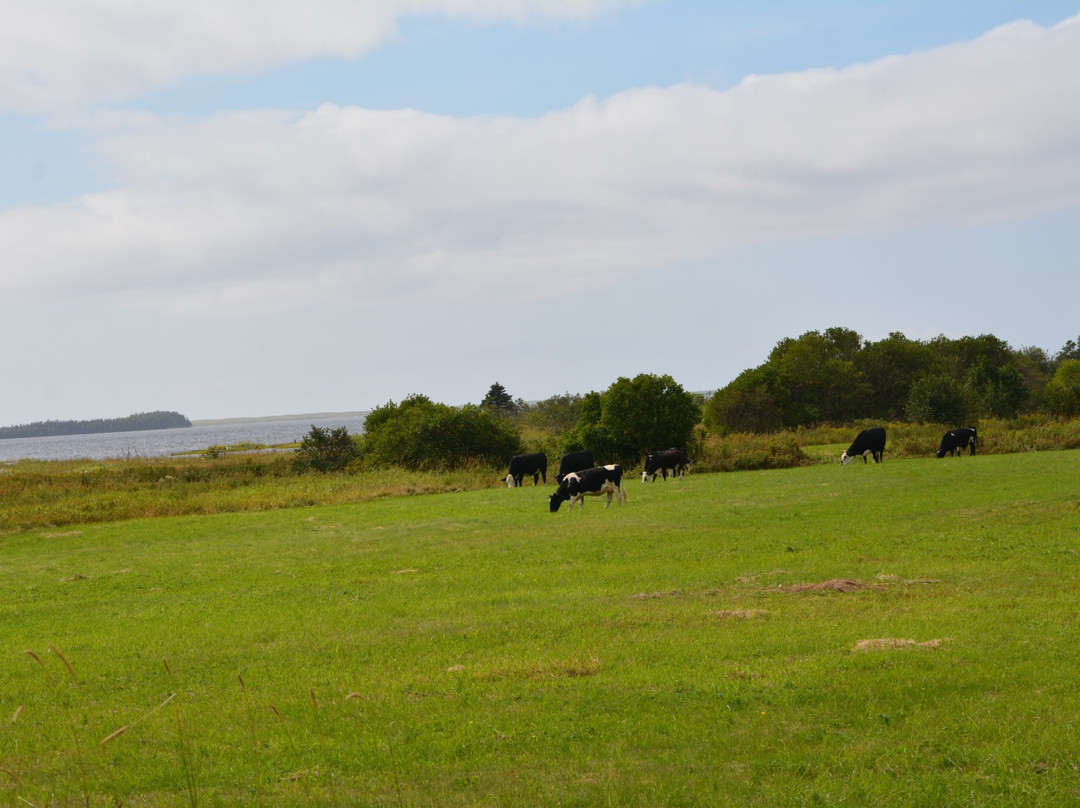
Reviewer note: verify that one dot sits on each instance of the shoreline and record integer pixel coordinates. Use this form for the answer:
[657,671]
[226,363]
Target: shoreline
[315,416]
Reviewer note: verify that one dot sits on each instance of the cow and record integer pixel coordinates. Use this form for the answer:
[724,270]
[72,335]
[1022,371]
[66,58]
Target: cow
[955,440]
[658,463]
[574,461]
[523,465]
[868,442]
[591,482]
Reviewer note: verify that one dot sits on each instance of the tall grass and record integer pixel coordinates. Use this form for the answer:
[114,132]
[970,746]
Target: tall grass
[66,493]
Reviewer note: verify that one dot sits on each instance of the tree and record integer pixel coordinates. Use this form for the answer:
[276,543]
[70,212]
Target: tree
[998,390]
[937,399]
[636,416]
[422,435]
[888,368]
[499,400]
[745,405]
[1063,392]
[1070,350]
[556,415]
[325,450]
[816,378]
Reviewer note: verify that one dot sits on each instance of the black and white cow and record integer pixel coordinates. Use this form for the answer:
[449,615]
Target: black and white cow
[868,442]
[591,482]
[574,461]
[956,440]
[523,465]
[658,463]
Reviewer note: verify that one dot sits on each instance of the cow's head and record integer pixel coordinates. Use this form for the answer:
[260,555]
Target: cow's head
[555,501]
[845,458]
[509,480]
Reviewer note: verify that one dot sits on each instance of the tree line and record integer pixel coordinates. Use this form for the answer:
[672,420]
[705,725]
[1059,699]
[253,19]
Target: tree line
[631,417]
[829,377]
[835,376]
[138,422]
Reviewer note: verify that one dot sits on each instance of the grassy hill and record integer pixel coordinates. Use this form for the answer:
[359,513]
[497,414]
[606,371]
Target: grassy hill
[894,634]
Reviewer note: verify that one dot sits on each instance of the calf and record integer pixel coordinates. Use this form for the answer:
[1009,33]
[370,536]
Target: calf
[591,482]
[955,440]
[659,463]
[525,464]
[574,461]
[868,442]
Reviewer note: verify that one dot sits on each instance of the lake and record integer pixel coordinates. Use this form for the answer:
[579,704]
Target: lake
[164,442]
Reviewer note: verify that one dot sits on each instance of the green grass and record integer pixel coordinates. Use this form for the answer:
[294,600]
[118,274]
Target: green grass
[472,649]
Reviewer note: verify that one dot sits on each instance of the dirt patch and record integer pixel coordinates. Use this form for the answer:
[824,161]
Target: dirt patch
[834,585]
[887,643]
[654,595]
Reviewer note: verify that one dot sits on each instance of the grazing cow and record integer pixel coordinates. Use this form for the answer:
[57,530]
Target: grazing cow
[955,440]
[591,482]
[868,442]
[525,464]
[658,463]
[574,461]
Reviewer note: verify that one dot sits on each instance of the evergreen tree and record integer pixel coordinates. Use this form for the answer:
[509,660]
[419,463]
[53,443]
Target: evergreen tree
[498,399]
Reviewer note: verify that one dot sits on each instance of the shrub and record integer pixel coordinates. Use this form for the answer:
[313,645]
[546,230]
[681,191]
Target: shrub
[325,450]
[644,414]
[744,451]
[421,435]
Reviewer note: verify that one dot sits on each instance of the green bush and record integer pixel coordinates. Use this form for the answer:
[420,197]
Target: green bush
[421,435]
[325,450]
[645,414]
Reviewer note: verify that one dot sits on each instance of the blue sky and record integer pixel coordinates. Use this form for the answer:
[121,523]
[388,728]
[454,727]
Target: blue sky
[239,209]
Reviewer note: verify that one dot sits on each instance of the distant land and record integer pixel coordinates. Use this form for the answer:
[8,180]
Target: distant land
[315,416]
[138,422]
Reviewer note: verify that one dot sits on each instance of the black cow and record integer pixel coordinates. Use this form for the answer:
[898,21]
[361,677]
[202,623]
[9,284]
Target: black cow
[525,464]
[658,463]
[574,461]
[590,482]
[955,440]
[868,442]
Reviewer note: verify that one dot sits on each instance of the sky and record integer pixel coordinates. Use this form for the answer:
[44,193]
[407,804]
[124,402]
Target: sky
[235,208]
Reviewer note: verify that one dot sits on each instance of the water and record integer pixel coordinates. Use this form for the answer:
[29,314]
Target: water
[164,442]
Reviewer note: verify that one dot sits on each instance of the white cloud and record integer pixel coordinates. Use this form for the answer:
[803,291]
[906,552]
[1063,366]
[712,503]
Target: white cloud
[59,55]
[272,209]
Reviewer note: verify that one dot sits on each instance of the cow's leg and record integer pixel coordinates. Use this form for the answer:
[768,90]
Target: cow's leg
[609,494]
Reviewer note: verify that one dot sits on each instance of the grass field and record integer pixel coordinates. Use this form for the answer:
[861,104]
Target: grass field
[897,634]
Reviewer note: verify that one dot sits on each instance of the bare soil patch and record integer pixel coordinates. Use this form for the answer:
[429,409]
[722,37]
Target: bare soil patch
[833,585]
